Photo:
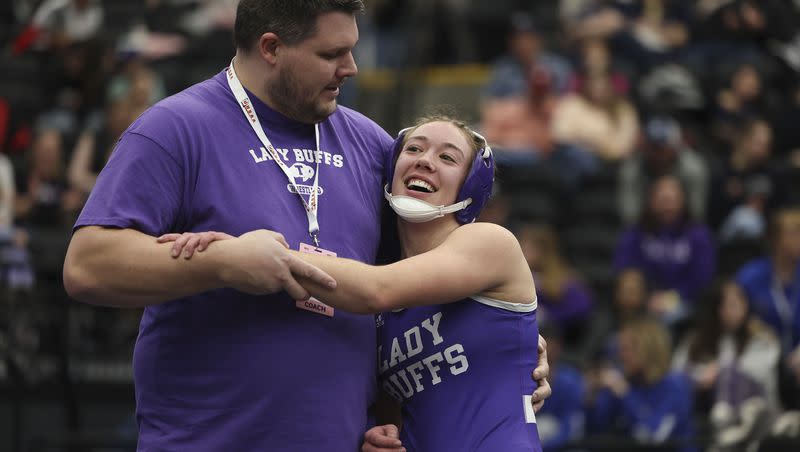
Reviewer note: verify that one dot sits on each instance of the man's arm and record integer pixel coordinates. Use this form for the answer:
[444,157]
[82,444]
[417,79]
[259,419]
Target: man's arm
[126,268]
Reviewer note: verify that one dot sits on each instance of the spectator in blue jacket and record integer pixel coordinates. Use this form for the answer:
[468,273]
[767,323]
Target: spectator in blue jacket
[526,53]
[643,401]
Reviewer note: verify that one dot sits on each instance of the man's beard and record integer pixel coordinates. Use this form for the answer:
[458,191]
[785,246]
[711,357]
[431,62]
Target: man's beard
[296,101]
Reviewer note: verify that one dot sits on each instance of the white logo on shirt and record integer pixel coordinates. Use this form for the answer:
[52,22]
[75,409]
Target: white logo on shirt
[673,251]
[301,171]
[309,156]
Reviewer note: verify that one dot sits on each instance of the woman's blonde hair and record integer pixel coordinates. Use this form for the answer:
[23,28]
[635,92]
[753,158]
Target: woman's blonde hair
[652,345]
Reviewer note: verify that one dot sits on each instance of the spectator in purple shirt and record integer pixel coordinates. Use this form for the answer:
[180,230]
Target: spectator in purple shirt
[676,255]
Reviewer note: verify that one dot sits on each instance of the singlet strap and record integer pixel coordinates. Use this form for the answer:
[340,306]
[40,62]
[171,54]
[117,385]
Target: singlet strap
[507,305]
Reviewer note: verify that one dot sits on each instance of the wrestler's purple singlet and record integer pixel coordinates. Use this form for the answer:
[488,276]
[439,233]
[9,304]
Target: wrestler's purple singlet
[462,372]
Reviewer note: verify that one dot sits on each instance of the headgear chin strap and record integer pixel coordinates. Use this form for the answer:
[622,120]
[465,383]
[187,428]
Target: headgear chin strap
[471,199]
[416,210]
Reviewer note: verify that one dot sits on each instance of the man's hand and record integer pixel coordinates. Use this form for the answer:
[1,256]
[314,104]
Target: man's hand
[258,262]
[383,438]
[540,374]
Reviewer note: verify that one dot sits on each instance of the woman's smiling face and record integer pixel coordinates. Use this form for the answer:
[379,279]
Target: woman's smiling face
[433,163]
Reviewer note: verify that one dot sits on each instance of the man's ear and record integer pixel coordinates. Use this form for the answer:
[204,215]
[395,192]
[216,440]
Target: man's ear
[268,45]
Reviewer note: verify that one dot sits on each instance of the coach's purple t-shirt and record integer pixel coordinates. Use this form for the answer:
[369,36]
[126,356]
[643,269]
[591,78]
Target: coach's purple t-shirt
[226,371]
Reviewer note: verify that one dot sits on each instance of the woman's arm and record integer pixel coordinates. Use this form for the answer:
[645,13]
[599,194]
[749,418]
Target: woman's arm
[478,258]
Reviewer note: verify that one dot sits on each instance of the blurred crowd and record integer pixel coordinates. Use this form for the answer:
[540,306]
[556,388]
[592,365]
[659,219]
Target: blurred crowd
[655,139]
[649,162]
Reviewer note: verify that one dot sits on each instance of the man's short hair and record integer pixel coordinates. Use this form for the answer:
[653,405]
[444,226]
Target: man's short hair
[292,20]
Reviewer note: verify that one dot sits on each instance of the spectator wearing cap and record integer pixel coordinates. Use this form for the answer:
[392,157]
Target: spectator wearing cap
[663,152]
[135,82]
[748,221]
[518,101]
[525,57]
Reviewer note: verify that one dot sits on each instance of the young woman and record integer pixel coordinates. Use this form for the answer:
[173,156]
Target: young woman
[457,314]
[642,400]
[676,254]
[732,359]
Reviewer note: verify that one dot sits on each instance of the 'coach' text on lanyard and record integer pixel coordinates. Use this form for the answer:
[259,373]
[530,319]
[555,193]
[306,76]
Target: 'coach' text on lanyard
[250,114]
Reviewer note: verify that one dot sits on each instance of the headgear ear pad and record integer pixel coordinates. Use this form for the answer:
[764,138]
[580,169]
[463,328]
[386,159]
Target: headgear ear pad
[477,185]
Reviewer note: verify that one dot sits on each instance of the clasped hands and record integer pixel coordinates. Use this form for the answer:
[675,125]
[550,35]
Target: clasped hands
[257,262]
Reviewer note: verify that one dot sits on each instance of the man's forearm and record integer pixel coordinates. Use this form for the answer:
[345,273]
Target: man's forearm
[126,268]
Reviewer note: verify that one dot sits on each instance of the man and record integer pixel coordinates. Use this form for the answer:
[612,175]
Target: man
[525,56]
[262,145]
[664,152]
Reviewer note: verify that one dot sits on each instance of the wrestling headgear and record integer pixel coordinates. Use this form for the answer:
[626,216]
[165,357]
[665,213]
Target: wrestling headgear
[471,198]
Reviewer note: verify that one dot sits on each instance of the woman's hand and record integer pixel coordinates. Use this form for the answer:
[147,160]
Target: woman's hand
[263,266]
[540,375]
[188,242]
